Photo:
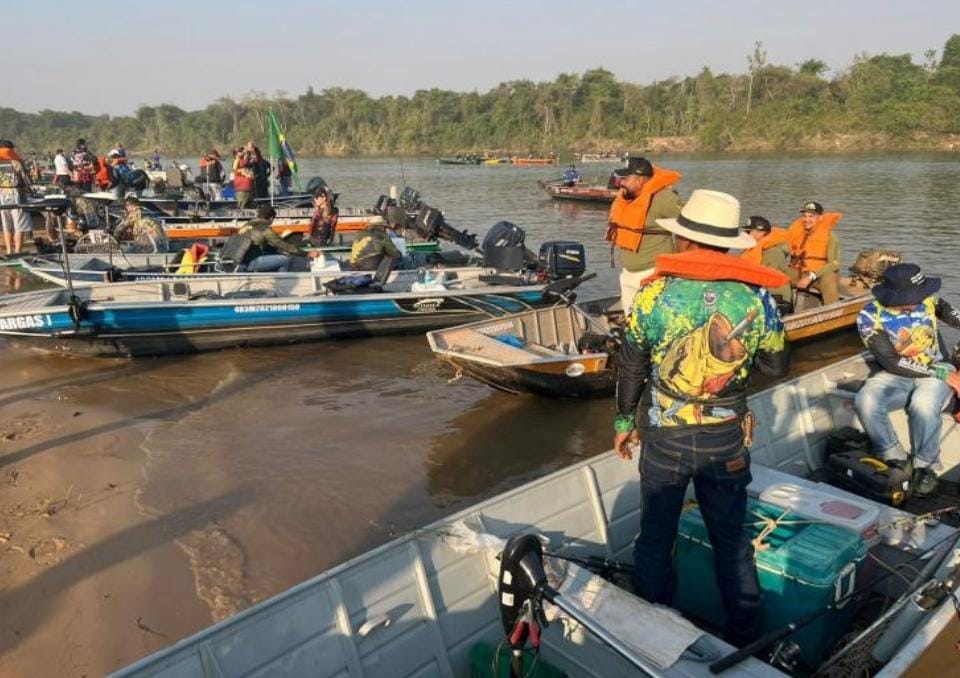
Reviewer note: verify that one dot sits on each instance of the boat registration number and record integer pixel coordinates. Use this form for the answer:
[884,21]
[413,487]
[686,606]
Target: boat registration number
[25,322]
[269,308]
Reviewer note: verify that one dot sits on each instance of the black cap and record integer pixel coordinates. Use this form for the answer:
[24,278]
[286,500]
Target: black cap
[266,212]
[758,224]
[636,165]
[812,206]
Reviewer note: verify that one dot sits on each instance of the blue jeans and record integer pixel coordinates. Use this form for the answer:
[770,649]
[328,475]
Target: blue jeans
[719,465]
[924,399]
[266,263]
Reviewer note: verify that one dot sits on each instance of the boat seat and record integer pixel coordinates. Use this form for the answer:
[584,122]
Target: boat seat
[34,301]
[546,351]
[470,342]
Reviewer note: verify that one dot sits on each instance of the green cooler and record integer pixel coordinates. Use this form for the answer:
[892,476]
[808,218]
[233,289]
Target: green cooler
[805,567]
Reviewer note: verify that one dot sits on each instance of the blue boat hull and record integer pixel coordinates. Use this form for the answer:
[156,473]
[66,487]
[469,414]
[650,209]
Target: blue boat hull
[132,330]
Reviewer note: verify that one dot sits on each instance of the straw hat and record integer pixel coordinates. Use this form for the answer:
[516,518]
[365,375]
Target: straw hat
[711,218]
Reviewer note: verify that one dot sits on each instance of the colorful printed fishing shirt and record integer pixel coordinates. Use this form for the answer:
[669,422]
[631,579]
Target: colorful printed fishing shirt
[907,343]
[689,351]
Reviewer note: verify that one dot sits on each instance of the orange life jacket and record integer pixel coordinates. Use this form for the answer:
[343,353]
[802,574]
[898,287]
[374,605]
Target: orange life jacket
[9,154]
[777,236]
[808,250]
[711,265]
[627,217]
[104,176]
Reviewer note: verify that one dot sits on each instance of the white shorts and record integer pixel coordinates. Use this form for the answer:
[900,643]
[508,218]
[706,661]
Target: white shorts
[14,221]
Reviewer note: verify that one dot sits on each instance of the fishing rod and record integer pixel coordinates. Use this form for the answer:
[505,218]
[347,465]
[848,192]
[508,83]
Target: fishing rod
[768,639]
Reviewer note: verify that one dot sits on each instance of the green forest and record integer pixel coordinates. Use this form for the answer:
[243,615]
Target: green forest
[884,101]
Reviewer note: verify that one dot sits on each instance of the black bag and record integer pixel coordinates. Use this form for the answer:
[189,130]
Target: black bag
[850,466]
[848,439]
[353,284]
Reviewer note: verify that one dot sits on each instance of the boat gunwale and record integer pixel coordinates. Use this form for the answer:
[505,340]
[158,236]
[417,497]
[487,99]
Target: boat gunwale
[159,660]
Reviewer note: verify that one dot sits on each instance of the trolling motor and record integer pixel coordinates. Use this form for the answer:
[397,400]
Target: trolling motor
[521,589]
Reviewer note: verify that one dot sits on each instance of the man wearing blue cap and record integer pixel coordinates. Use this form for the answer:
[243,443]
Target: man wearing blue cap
[900,328]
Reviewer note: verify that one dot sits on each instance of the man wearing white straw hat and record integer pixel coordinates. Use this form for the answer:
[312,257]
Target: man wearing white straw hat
[699,326]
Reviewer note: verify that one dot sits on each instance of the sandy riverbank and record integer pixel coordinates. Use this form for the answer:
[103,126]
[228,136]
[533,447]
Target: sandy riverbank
[89,579]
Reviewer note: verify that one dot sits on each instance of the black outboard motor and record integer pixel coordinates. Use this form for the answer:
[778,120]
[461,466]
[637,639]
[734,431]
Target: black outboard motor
[562,259]
[410,199]
[503,247]
[522,587]
[314,184]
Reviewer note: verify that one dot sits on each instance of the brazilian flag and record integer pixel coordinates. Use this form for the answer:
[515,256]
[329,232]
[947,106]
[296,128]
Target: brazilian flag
[280,149]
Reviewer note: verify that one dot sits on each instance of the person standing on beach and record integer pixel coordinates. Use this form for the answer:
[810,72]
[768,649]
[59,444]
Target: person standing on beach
[700,325]
[14,187]
[646,194]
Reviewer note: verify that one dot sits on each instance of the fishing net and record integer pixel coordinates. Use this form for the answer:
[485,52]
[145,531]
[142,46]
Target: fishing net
[856,661]
[97,242]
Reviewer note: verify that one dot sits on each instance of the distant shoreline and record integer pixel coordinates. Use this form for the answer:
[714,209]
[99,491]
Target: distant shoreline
[825,144]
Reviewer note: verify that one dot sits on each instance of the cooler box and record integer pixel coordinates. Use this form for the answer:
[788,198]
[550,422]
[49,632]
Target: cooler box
[806,567]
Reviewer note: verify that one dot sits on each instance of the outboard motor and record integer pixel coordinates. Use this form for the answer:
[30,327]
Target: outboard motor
[522,587]
[503,247]
[410,199]
[429,221]
[314,184]
[562,259]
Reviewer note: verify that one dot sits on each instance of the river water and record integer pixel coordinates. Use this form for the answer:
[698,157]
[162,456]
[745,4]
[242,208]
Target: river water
[341,445]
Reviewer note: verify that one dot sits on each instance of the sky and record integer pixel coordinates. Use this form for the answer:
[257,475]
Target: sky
[111,56]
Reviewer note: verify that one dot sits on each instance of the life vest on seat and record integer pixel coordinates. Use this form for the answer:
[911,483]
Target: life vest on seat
[627,217]
[808,249]
[777,236]
[711,265]
[193,258]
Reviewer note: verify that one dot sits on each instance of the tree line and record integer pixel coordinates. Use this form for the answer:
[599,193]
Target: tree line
[900,102]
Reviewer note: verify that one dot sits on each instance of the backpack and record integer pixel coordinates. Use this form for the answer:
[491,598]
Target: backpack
[870,266]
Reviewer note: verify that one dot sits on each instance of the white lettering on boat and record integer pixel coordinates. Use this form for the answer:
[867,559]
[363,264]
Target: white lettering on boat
[266,308]
[427,305]
[814,319]
[24,322]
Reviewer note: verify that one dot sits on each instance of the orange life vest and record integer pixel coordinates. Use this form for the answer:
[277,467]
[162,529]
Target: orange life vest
[9,154]
[808,250]
[711,265]
[777,236]
[627,217]
[104,176]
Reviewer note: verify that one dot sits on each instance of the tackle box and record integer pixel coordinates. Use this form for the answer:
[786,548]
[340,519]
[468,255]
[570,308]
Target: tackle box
[806,566]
